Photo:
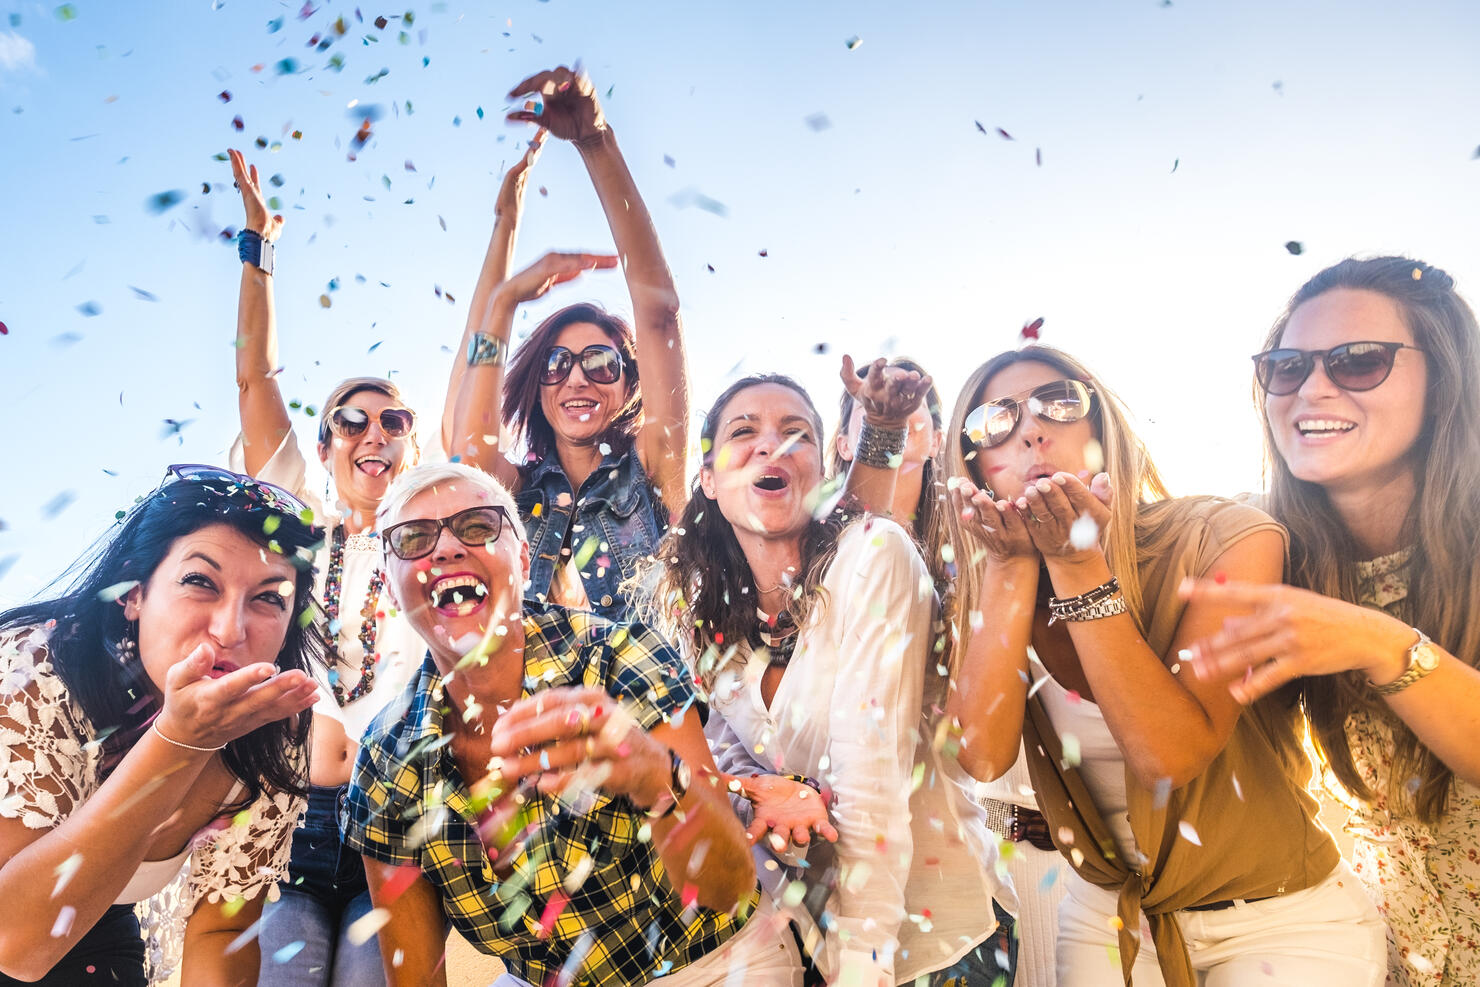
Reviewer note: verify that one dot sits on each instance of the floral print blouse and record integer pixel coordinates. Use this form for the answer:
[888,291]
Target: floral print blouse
[1425,879]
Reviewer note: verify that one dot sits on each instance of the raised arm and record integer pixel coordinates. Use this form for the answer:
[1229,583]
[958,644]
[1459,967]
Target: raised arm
[507,211]
[572,112]
[477,438]
[264,415]
[888,396]
[1293,633]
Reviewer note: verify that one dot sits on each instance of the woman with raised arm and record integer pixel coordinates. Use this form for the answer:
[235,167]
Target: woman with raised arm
[366,436]
[812,639]
[1166,800]
[603,453]
[154,714]
[1372,433]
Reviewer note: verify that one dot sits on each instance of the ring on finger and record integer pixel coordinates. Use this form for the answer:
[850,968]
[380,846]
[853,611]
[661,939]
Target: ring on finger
[1038,520]
[590,748]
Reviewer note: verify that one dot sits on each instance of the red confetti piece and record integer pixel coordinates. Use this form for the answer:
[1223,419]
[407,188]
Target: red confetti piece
[1030,330]
[224,95]
[552,911]
[1005,135]
[237,123]
[4,329]
[689,895]
[1220,578]
[401,879]
[765,253]
[381,22]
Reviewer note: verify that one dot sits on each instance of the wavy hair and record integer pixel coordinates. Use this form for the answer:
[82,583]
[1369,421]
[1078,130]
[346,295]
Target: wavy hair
[522,411]
[1442,524]
[1132,533]
[88,624]
[705,597]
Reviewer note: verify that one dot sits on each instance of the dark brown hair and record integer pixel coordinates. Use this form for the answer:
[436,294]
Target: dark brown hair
[522,412]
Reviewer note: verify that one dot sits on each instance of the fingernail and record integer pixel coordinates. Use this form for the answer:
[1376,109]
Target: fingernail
[1044,486]
[1061,478]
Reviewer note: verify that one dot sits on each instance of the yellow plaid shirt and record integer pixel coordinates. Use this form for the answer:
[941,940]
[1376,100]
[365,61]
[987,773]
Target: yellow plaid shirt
[623,923]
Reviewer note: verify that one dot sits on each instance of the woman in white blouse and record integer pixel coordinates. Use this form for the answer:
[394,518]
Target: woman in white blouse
[813,640]
[150,714]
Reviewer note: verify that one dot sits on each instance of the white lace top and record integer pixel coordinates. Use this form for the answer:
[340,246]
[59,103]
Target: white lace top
[51,762]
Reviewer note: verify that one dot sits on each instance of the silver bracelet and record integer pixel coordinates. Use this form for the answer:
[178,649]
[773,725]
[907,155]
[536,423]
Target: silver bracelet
[1108,607]
[879,447]
[189,747]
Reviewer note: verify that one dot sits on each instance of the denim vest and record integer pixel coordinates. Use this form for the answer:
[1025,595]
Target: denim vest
[616,521]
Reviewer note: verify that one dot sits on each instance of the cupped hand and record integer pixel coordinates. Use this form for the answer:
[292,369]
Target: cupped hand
[1288,633]
[787,812]
[579,735]
[1065,517]
[571,110]
[511,191]
[258,218]
[552,269]
[995,524]
[888,395]
[207,712]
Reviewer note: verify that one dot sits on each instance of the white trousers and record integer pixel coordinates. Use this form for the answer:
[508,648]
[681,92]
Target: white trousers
[763,954]
[1327,934]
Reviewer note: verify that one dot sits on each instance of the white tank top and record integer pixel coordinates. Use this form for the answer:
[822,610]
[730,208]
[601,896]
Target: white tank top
[151,876]
[1101,764]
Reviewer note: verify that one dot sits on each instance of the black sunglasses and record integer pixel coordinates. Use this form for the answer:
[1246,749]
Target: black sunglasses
[601,364]
[1358,366]
[474,527]
[349,422]
[1062,401]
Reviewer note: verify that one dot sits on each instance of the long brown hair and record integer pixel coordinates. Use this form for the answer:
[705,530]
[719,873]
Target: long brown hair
[705,595]
[1442,524]
[1131,531]
[522,411]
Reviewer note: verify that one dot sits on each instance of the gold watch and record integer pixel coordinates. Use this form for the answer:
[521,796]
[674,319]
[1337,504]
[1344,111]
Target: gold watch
[1423,658]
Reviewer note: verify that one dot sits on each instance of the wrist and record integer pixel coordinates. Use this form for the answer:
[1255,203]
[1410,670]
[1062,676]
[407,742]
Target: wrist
[1077,572]
[598,140]
[1391,644]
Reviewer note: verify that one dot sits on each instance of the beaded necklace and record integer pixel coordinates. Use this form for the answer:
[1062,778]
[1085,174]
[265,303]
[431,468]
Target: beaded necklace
[333,586]
[779,635]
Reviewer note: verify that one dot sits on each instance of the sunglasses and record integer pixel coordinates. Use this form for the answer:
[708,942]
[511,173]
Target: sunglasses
[349,422]
[1358,366]
[1063,402]
[254,492]
[600,364]
[474,527]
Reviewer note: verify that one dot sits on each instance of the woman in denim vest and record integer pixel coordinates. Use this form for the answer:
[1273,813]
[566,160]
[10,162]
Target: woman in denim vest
[602,454]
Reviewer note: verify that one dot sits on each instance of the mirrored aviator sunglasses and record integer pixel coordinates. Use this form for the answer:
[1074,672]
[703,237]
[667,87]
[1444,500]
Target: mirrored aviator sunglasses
[252,491]
[1061,401]
[1356,366]
[349,422]
[600,364]
[475,527]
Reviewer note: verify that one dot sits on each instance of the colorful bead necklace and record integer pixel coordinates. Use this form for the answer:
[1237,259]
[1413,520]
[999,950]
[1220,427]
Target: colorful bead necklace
[333,587]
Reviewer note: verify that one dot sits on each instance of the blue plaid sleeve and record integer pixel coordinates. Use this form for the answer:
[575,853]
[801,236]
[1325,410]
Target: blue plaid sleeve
[640,667]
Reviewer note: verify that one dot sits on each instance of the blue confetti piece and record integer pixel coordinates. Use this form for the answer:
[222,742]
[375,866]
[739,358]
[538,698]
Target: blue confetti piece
[289,951]
[161,201]
[90,309]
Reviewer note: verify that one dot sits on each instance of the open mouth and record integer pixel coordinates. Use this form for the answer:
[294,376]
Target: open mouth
[373,465]
[458,596]
[1040,472]
[222,668]
[1321,427]
[772,481]
[582,408]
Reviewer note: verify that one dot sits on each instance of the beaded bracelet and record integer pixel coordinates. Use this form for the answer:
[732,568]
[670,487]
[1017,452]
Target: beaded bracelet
[189,747]
[1087,606]
[879,447]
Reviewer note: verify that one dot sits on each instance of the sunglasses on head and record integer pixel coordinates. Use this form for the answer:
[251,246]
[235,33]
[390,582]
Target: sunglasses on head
[476,526]
[251,491]
[601,364]
[1062,401]
[349,422]
[1358,366]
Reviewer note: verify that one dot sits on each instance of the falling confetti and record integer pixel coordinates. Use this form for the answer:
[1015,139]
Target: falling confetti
[66,12]
[362,928]
[853,42]
[1295,247]
[1030,330]
[58,504]
[818,122]
[1005,135]
[765,253]
[1175,163]
[140,293]
[90,309]
[161,201]
[5,330]
[1189,833]
[1084,533]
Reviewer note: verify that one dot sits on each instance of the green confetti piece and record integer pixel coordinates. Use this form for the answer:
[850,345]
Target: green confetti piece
[271,523]
[66,12]
[918,778]
[274,203]
[587,549]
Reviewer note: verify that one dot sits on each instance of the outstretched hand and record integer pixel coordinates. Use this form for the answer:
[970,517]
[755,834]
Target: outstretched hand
[787,812]
[1065,517]
[552,269]
[996,524]
[511,192]
[258,218]
[570,108]
[888,395]
[205,712]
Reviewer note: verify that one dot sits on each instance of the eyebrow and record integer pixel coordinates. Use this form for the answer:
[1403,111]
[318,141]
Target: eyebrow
[269,581]
[788,419]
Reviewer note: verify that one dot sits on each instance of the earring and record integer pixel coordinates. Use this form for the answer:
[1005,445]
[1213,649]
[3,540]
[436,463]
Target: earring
[128,643]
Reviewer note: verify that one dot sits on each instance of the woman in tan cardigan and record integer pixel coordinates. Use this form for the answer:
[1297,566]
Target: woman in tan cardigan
[1165,799]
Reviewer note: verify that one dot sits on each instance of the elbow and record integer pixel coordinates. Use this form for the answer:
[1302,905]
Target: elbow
[23,961]
[729,891]
[1168,773]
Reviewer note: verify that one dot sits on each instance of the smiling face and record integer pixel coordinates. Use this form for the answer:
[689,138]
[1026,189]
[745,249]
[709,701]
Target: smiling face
[364,465]
[455,594]
[215,586]
[580,410]
[1350,440]
[766,463]
[1036,448]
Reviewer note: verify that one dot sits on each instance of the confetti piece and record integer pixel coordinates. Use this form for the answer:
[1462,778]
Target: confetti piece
[818,122]
[140,293]
[65,871]
[1189,832]
[58,504]
[292,949]
[1038,156]
[4,329]
[324,301]
[288,66]
[668,160]
[161,201]
[764,253]
[224,95]
[1031,330]
[853,42]
[66,12]
[691,197]
[1084,533]
[362,928]
[1174,165]
[1005,135]
[110,593]
[1295,247]
[63,924]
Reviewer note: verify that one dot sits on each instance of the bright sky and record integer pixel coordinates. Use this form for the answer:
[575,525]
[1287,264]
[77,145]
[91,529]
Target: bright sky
[1183,143]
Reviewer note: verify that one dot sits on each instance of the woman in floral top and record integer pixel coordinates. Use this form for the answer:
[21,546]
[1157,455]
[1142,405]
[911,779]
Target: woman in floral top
[1372,421]
[149,716]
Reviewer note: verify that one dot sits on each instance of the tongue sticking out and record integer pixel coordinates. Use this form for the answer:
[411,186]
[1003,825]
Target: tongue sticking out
[373,467]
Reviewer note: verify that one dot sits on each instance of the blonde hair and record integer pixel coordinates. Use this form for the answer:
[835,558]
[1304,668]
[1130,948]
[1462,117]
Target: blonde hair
[419,478]
[1133,477]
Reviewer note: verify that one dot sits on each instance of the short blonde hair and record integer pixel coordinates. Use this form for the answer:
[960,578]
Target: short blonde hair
[418,478]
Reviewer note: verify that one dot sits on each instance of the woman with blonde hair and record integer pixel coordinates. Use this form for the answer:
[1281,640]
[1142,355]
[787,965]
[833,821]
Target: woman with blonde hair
[1372,433]
[1165,799]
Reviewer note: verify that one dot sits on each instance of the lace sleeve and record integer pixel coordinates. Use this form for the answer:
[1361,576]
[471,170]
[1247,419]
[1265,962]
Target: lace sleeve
[248,853]
[48,764]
